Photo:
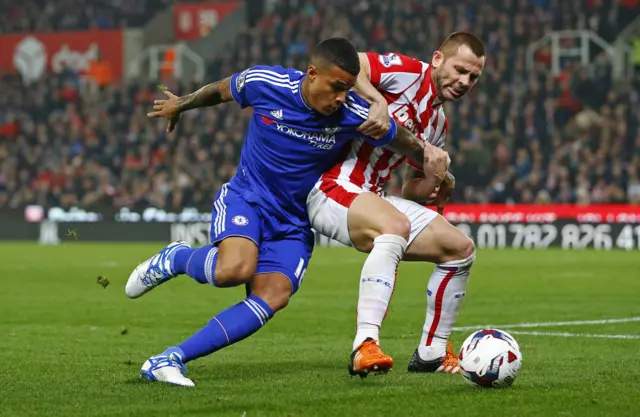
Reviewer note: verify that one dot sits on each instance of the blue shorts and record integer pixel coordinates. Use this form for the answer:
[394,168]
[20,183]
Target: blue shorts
[280,249]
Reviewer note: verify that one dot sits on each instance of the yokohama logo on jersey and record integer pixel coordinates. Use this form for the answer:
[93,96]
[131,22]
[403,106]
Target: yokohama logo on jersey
[407,85]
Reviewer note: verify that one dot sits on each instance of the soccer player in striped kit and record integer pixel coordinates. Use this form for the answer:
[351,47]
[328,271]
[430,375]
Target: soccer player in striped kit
[348,203]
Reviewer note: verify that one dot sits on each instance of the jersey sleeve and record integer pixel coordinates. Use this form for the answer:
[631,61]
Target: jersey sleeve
[392,72]
[248,86]
[358,112]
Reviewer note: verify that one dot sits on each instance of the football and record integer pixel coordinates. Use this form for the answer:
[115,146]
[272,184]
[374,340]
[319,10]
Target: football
[490,358]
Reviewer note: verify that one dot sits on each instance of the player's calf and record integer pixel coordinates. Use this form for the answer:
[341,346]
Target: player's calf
[454,254]
[377,227]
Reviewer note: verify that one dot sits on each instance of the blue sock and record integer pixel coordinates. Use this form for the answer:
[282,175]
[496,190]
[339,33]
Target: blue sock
[173,349]
[198,263]
[228,327]
[181,260]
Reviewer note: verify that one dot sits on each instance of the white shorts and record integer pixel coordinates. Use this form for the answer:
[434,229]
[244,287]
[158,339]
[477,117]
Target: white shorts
[328,211]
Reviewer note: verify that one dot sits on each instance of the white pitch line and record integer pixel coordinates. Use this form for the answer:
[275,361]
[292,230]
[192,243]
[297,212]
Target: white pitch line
[589,335]
[548,324]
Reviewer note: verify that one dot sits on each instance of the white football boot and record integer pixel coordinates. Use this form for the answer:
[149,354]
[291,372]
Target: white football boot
[166,368]
[154,271]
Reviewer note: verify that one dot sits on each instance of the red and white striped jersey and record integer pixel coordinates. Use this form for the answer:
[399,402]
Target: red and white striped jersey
[407,85]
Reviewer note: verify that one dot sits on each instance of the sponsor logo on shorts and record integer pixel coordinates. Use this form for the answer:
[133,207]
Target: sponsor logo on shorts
[240,221]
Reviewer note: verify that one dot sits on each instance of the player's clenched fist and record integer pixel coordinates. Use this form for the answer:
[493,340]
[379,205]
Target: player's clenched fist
[168,109]
[378,122]
[436,162]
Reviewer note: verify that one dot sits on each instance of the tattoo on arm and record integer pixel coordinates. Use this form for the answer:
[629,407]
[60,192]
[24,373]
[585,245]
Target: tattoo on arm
[407,144]
[209,95]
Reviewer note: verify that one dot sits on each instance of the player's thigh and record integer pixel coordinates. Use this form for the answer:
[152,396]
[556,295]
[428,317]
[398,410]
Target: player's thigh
[236,262]
[328,216]
[236,228]
[354,217]
[371,216]
[418,215]
[288,257]
[438,242]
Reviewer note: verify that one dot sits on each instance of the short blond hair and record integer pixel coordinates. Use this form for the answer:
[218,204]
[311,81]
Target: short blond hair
[455,40]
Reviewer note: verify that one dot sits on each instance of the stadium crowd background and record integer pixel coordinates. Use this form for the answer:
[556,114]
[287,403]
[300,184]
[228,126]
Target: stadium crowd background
[520,136]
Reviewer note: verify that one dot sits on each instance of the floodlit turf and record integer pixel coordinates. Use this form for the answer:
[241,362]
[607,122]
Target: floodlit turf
[63,351]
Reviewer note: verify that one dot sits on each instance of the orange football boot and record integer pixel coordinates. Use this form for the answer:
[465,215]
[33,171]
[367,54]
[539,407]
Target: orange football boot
[369,358]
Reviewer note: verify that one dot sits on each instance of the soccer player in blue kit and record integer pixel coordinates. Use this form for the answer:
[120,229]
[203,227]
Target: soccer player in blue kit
[260,230]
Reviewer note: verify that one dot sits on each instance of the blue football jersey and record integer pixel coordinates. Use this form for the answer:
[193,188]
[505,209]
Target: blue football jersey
[288,146]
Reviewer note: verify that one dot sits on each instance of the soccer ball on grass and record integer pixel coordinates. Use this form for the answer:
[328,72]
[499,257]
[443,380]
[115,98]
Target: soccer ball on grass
[490,358]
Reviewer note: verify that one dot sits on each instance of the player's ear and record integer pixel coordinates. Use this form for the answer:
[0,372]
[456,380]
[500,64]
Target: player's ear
[437,59]
[312,72]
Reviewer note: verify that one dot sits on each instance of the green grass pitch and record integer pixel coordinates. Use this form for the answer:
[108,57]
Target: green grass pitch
[64,351]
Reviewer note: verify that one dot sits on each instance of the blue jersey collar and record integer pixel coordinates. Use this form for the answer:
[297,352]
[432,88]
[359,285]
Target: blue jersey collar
[300,97]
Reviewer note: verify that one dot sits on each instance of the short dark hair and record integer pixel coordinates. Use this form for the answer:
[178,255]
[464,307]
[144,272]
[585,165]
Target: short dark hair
[457,39]
[339,52]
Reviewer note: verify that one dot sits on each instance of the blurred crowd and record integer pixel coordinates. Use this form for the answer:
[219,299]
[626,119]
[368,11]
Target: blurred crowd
[523,136]
[51,16]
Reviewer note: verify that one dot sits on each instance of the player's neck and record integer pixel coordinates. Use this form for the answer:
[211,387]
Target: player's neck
[305,93]
[438,100]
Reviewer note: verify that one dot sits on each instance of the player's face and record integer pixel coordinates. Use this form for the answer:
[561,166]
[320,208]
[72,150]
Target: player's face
[456,74]
[328,87]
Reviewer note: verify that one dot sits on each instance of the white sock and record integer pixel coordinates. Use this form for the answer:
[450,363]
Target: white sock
[445,293]
[377,281]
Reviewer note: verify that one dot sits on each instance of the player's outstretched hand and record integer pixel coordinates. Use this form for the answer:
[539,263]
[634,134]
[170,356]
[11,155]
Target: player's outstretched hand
[378,122]
[167,108]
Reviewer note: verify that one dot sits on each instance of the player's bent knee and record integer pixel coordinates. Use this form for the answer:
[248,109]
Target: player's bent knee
[232,273]
[467,248]
[398,225]
[273,288]
[459,248]
[277,300]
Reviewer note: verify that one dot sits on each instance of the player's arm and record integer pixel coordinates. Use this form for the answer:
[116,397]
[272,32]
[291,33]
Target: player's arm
[378,122]
[363,86]
[429,160]
[245,87]
[407,144]
[209,95]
